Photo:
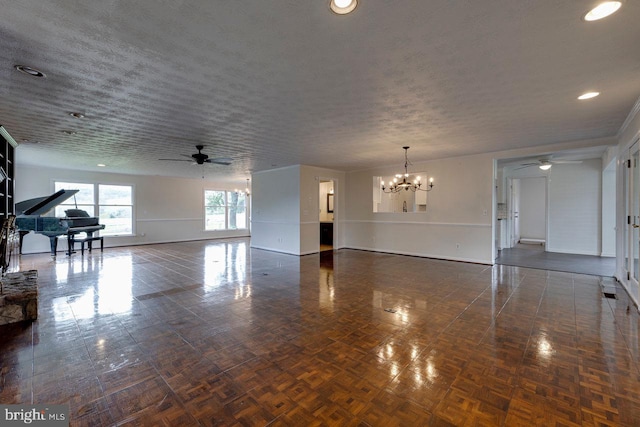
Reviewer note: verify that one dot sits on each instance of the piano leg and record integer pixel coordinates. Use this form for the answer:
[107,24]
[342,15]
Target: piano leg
[71,243]
[54,244]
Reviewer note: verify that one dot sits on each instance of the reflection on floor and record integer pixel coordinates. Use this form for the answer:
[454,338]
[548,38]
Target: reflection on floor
[215,333]
[534,256]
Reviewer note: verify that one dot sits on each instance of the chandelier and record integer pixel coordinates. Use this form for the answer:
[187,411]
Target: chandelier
[246,190]
[403,182]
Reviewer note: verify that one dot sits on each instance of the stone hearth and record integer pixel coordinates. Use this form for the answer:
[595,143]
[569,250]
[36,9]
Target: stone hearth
[19,297]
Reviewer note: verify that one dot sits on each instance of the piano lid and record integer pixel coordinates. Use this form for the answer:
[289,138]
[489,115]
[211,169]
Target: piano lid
[42,205]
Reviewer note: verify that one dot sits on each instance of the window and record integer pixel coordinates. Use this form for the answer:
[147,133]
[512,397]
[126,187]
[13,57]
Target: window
[113,204]
[83,199]
[225,210]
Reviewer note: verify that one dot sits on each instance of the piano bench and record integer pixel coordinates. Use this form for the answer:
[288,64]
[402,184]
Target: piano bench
[88,240]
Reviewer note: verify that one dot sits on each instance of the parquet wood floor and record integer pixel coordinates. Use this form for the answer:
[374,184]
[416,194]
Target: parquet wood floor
[217,334]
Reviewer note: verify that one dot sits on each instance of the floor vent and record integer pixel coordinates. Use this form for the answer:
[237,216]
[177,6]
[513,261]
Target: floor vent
[610,295]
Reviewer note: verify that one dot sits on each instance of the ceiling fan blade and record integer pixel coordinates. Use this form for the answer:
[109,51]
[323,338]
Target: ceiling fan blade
[220,161]
[177,160]
[527,165]
[568,162]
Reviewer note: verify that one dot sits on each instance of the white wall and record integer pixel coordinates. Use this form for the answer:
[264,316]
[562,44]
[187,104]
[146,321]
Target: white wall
[276,210]
[575,208]
[609,211]
[457,224]
[533,208]
[166,209]
[291,224]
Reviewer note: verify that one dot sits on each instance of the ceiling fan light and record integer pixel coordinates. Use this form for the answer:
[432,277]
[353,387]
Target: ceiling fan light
[602,10]
[545,167]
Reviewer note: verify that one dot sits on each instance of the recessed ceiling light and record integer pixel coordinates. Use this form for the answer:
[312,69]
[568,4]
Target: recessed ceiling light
[29,71]
[76,115]
[342,7]
[588,95]
[101,165]
[69,132]
[602,10]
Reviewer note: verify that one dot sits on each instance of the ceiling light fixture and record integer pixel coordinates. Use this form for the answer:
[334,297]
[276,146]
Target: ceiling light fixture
[602,10]
[76,115]
[588,95]
[406,184]
[29,71]
[68,132]
[101,165]
[246,190]
[342,7]
[545,166]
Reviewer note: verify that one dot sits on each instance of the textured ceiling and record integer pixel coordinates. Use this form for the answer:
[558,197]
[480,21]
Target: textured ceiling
[277,83]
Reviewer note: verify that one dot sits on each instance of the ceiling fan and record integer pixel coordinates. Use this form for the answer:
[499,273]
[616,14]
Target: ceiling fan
[200,158]
[546,163]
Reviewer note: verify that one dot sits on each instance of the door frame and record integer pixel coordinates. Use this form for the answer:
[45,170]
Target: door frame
[336,207]
[630,230]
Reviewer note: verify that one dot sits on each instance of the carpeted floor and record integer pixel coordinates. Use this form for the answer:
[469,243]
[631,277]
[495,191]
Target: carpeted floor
[534,256]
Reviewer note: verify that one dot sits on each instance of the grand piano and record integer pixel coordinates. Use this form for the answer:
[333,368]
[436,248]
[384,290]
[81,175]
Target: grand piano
[28,218]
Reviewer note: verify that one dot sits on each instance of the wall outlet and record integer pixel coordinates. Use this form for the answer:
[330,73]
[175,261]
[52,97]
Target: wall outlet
[484,212]
[457,246]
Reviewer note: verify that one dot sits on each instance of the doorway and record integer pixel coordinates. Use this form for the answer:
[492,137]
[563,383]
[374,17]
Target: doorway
[583,185]
[327,206]
[527,205]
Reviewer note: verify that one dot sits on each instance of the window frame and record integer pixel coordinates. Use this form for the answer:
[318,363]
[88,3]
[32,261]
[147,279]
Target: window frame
[226,207]
[96,202]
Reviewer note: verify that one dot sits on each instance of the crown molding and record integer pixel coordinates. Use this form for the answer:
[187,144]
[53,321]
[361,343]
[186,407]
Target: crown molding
[632,114]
